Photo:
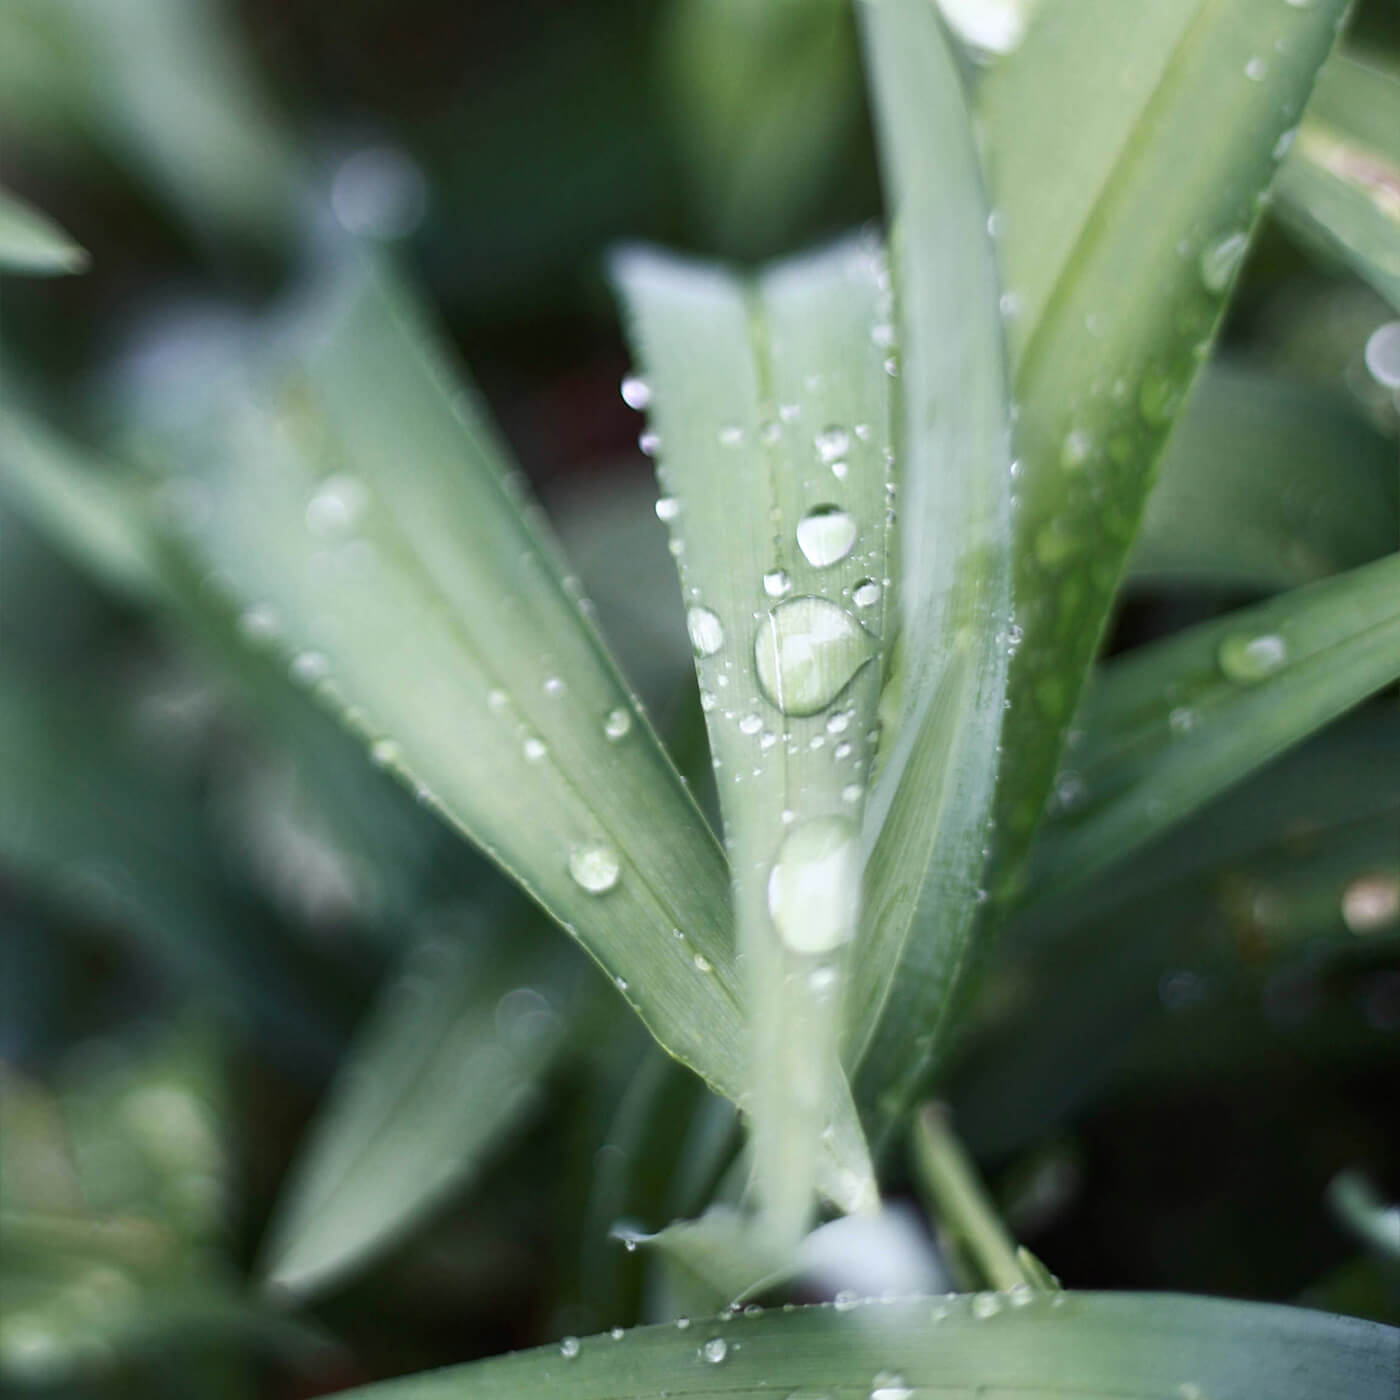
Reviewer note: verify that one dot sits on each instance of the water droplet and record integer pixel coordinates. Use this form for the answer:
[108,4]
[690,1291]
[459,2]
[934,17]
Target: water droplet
[838,722]
[1075,450]
[715,1350]
[731,435]
[616,1333]
[1246,660]
[336,506]
[707,700]
[1221,260]
[667,508]
[636,392]
[594,867]
[702,963]
[260,623]
[866,593]
[770,432]
[776,583]
[1256,69]
[497,700]
[889,1385]
[553,686]
[985,1305]
[1157,398]
[846,1298]
[852,793]
[750,724]
[618,724]
[807,652]
[1371,902]
[832,442]
[682,1322]
[1181,720]
[383,752]
[706,631]
[534,749]
[1284,144]
[649,442]
[840,470]
[825,535]
[308,667]
[569,1347]
[814,885]
[1383,355]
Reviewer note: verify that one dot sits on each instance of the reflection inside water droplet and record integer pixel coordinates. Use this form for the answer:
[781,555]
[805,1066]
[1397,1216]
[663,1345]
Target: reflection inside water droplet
[825,535]
[595,867]
[807,652]
[814,885]
[618,724]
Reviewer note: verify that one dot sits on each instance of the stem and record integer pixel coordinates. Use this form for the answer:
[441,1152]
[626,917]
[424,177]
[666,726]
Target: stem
[959,1200]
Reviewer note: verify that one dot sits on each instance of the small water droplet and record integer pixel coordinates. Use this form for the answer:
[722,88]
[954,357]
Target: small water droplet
[707,700]
[649,442]
[497,700]
[569,1347]
[814,885]
[846,1298]
[260,623]
[1256,70]
[751,724]
[776,583]
[706,631]
[336,506]
[1182,720]
[595,867]
[770,432]
[682,1322]
[889,1385]
[308,667]
[1075,450]
[866,593]
[534,749]
[616,1333]
[731,435]
[807,652]
[852,793]
[1383,355]
[618,724]
[553,686]
[1158,398]
[832,442]
[636,392]
[1010,306]
[715,1350]
[1221,260]
[667,508]
[985,1305]
[825,535]
[702,963]
[1247,660]
[1284,144]
[840,470]
[383,752]
[1371,902]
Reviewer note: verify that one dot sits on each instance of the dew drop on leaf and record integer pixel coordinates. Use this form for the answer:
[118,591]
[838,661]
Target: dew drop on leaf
[706,631]
[1246,660]
[1220,261]
[832,442]
[636,392]
[807,652]
[889,1385]
[814,885]
[569,1348]
[1383,355]
[534,749]
[336,506]
[715,1350]
[1371,903]
[776,583]
[618,724]
[667,508]
[825,535]
[866,593]
[594,867]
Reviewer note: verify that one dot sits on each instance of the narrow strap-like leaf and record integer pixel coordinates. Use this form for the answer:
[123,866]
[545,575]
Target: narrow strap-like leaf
[32,243]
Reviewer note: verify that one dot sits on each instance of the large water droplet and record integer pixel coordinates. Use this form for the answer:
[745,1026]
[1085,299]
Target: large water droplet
[594,867]
[807,651]
[1221,260]
[825,535]
[814,885]
[706,631]
[1250,659]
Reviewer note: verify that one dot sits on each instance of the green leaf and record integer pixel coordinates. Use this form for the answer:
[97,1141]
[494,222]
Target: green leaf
[929,811]
[361,513]
[1128,147]
[449,1063]
[1123,1346]
[1340,183]
[1267,483]
[770,402]
[1174,723]
[31,242]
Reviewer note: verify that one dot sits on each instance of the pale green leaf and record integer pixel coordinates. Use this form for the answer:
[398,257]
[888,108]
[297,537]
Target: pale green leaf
[1129,146]
[360,512]
[1172,724]
[1267,483]
[450,1062]
[1341,180]
[929,812]
[1035,1346]
[31,242]
[770,402]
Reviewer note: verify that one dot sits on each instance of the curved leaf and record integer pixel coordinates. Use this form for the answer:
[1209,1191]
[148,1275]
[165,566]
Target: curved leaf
[770,403]
[1341,180]
[1113,1346]
[360,512]
[1129,146]
[31,242]
[929,812]
[1175,723]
